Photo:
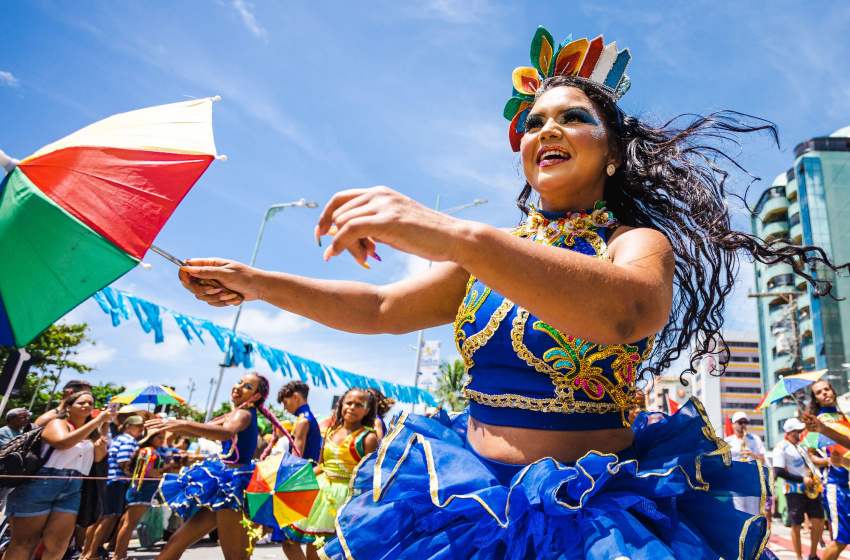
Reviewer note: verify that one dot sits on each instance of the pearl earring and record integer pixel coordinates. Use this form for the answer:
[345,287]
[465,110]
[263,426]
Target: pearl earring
[611,169]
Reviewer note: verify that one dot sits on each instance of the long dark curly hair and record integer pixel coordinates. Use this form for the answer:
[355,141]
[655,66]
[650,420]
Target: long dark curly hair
[673,179]
[814,406]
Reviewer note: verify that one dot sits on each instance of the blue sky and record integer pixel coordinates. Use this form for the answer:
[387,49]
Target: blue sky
[319,96]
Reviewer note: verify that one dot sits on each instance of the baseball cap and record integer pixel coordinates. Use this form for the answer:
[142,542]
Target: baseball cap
[740,416]
[134,421]
[127,408]
[793,424]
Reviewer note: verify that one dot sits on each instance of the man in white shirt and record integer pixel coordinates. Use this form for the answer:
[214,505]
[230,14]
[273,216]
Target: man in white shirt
[745,447]
[789,463]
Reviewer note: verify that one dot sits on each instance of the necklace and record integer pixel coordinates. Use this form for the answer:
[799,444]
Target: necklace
[553,230]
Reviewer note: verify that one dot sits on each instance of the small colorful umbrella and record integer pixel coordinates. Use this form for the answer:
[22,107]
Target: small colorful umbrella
[81,212]
[788,385]
[817,440]
[152,394]
[282,490]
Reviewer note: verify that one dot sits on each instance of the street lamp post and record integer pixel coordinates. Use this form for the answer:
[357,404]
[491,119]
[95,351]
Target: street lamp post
[270,212]
[421,335]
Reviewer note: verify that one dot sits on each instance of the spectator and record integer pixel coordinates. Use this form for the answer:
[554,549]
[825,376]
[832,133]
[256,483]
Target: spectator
[307,436]
[790,462]
[71,387]
[745,447]
[46,506]
[384,404]
[16,420]
[120,455]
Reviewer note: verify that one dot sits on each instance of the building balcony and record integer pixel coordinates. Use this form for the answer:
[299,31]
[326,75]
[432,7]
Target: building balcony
[796,234]
[808,352]
[805,328]
[774,209]
[793,207]
[804,307]
[791,190]
[774,230]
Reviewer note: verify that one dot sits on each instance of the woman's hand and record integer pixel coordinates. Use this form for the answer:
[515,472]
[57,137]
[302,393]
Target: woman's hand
[230,274]
[100,449]
[170,424]
[106,416]
[366,216]
[812,422]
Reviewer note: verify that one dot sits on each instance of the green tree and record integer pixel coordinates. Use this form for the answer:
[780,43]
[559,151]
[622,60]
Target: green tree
[52,356]
[187,412]
[450,380]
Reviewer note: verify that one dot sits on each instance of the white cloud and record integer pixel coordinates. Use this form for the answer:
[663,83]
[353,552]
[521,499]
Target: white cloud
[244,10]
[95,354]
[8,79]
[268,327]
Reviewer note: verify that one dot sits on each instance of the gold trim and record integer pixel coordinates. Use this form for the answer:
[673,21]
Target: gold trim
[382,453]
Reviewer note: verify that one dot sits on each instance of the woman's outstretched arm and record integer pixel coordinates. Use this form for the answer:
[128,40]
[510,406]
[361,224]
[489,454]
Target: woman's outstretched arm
[426,300]
[217,431]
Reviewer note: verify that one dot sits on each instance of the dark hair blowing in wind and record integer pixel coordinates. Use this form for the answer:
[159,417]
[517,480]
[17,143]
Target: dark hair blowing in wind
[673,180]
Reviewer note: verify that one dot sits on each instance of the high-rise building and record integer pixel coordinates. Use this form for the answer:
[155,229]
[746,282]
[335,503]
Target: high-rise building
[735,387]
[798,331]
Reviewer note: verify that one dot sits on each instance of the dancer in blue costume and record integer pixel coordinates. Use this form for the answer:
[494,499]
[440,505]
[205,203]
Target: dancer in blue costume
[211,494]
[555,319]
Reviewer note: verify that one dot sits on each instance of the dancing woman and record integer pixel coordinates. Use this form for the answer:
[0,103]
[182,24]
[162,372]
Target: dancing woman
[348,439]
[211,494]
[555,320]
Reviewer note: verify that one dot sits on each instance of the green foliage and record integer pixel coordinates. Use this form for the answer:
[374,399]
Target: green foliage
[187,412]
[52,356]
[450,380]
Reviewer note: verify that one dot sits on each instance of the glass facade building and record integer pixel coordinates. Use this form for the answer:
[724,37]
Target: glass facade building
[810,205]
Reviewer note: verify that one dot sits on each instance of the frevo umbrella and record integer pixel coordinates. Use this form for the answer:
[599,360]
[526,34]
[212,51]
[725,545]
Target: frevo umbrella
[81,212]
[152,394]
[788,385]
[281,491]
[817,440]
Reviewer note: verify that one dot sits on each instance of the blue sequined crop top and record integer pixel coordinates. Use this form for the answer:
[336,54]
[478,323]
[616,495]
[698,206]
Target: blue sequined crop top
[524,373]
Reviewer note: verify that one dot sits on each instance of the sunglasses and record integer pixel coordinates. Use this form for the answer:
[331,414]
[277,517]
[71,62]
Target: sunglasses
[742,422]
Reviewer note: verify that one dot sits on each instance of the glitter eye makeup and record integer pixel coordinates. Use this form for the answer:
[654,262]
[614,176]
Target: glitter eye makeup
[568,116]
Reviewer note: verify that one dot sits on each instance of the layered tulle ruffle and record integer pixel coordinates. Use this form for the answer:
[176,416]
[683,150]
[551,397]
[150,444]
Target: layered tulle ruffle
[425,495]
[208,484]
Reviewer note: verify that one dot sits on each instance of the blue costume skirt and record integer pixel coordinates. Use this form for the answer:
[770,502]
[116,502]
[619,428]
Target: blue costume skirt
[426,495]
[208,484]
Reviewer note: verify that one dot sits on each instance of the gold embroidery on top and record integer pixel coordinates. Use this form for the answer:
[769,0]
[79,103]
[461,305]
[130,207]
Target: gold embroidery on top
[571,364]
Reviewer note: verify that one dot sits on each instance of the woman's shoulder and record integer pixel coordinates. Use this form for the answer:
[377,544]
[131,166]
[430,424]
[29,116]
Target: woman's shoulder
[631,240]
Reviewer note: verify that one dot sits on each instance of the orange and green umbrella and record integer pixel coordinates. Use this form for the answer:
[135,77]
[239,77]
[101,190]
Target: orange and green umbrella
[152,394]
[81,212]
[788,385]
[281,491]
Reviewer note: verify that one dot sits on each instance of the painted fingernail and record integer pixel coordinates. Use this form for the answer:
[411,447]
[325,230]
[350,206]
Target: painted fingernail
[185,285]
[376,257]
[319,241]
[366,266]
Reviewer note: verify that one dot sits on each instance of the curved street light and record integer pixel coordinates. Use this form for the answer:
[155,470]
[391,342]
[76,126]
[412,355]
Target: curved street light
[270,213]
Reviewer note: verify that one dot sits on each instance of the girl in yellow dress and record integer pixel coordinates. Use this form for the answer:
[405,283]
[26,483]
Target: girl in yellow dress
[348,440]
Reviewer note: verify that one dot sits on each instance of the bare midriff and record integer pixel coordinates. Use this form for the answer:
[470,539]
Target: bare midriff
[521,446]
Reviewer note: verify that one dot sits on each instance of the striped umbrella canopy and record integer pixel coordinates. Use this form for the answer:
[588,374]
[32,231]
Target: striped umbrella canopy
[81,212]
[152,394]
[788,385]
[817,440]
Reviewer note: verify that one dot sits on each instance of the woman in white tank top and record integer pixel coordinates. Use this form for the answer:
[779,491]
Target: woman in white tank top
[47,505]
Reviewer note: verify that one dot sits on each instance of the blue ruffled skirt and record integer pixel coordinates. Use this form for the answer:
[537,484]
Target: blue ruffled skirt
[426,495]
[208,484]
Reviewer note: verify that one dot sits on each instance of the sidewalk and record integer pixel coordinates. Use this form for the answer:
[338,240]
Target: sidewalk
[780,543]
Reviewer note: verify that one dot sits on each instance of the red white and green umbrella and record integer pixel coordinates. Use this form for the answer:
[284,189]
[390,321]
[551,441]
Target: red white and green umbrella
[152,394]
[281,491]
[81,212]
[788,385]
[817,440]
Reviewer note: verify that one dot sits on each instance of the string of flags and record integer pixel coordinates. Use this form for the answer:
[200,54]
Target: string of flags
[242,349]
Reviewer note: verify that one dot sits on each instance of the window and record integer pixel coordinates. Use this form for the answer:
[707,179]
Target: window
[749,390]
[781,280]
[751,374]
[795,219]
[742,406]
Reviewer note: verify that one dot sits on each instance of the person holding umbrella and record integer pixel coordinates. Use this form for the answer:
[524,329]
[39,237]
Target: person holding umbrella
[824,417]
[625,255]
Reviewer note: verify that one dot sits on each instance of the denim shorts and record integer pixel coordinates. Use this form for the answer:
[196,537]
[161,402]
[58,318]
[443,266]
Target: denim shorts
[40,496]
[144,495]
[115,490]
